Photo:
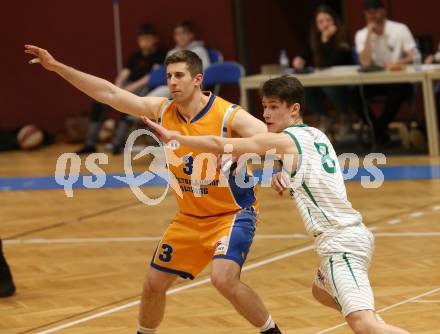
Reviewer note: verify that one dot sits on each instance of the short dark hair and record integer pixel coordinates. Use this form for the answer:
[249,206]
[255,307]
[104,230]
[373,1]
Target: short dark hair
[191,59]
[373,4]
[147,29]
[185,25]
[287,88]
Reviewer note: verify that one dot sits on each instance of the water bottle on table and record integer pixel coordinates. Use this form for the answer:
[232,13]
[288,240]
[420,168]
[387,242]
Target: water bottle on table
[284,62]
[417,59]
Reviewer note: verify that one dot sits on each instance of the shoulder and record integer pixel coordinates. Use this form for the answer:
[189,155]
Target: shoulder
[362,33]
[395,27]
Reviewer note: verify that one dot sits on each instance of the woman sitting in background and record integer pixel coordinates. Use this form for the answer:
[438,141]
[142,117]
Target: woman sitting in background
[328,46]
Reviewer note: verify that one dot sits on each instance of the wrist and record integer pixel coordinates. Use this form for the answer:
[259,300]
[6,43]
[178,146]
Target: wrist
[58,67]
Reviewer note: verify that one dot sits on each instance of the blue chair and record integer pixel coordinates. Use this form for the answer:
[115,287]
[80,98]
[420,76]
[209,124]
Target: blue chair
[158,77]
[226,73]
[215,56]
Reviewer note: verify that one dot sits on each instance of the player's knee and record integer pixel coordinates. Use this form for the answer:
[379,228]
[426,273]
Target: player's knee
[362,325]
[224,283]
[153,285]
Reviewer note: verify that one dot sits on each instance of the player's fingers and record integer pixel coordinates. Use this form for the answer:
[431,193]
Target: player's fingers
[282,181]
[31,52]
[31,47]
[286,180]
[275,183]
[34,61]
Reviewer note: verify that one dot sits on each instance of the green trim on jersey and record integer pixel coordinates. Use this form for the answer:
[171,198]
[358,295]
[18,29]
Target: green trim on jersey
[332,273]
[309,193]
[298,147]
[303,125]
[345,257]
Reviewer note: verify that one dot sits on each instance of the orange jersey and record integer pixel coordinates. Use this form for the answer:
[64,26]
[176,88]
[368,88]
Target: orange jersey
[205,192]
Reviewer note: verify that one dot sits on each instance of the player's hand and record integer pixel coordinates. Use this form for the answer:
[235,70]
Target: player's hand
[163,134]
[42,57]
[279,182]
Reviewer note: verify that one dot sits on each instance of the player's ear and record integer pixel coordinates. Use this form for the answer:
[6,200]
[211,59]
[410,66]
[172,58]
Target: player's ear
[198,79]
[295,109]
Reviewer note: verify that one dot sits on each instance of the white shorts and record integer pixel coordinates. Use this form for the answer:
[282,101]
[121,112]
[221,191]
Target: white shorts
[345,277]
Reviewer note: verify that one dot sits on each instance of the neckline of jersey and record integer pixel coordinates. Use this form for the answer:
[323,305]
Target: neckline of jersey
[202,112]
[303,125]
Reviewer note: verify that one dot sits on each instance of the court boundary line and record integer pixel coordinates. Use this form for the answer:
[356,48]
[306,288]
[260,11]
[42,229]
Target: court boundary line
[157,238]
[175,290]
[406,301]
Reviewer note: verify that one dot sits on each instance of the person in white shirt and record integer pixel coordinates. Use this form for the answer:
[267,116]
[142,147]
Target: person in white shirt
[185,39]
[388,44]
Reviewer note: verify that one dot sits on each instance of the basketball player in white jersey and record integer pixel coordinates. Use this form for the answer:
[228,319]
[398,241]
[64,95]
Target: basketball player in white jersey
[342,241]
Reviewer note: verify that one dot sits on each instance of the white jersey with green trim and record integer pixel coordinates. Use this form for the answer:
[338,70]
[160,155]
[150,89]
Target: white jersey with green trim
[318,188]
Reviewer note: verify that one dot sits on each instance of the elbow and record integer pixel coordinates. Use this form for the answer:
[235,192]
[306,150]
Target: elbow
[109,95]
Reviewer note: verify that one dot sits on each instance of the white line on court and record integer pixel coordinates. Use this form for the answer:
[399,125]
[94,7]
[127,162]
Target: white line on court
[143,239]
[394,221]
[426,301]
[409,300]
[417,214]
[173,291]
[436,208]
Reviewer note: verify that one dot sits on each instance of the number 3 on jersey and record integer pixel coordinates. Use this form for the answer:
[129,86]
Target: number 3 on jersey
[188,161]
[328,163]
[166,254]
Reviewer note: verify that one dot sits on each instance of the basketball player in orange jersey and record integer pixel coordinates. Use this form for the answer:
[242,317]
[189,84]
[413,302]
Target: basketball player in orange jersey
[215,224]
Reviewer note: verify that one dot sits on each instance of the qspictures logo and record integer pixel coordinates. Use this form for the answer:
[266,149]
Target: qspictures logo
[198,173]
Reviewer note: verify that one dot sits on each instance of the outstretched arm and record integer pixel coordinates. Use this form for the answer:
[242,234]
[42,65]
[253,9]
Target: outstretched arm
[259,144]
[97,88]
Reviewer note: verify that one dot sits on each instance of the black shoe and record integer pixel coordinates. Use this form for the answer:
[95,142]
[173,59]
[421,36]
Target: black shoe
[7,287]
[275,330]
[86,149]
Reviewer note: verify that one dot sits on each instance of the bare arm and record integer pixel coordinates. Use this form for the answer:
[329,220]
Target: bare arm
[245,125]
[122,77]
[97,88]
[259,144]
[365,57]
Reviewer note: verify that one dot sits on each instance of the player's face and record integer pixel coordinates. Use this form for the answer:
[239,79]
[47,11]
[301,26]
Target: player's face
[180,82]
[182,37]
[146,42]
[277,114]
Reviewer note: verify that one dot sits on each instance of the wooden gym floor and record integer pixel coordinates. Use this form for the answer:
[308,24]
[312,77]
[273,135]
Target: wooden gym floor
[79,262]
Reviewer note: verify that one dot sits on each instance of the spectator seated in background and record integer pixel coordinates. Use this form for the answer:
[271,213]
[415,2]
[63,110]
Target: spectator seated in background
[134,78]
[328,46]
[388,44]
[185,39]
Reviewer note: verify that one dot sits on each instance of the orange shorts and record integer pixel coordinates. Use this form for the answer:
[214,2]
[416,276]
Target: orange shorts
[190,243]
